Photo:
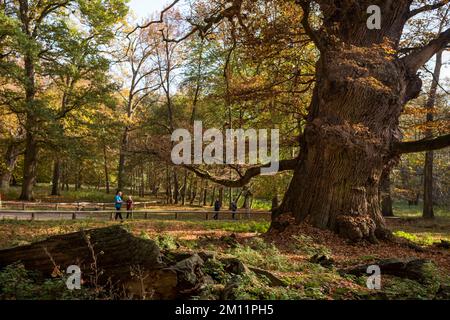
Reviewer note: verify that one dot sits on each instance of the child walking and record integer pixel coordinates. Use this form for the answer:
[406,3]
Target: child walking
[129,208]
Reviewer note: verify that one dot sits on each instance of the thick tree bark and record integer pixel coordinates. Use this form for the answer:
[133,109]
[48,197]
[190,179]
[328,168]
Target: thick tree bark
[352,123]
[428,168]
[56,177]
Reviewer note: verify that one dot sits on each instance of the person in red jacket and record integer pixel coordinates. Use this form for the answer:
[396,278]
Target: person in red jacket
[130,208]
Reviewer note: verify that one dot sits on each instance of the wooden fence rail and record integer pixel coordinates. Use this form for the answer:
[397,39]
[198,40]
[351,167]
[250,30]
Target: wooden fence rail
[176,214]
[78,205]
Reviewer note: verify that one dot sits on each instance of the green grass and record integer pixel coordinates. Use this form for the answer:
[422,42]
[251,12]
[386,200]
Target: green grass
[403,210]
[235,226]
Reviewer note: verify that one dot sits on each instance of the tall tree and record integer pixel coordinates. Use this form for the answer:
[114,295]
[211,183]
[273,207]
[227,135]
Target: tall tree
[363,81]
[139,85]
[35,25]
[429,155]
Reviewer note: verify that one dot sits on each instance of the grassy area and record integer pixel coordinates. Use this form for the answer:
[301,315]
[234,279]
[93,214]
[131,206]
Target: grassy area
[303,279]
[403,210]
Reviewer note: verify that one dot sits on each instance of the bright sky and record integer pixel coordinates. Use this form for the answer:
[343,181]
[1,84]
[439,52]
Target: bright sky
[144,8]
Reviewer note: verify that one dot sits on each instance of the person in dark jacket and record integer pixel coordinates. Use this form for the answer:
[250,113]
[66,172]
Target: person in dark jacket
[216,209]
[118,204]
[233,208]
[129,208]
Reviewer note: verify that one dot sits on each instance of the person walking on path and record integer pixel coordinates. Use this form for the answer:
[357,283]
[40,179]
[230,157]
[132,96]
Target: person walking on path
[216,209]
[233,207]
[129,208]
[118,204]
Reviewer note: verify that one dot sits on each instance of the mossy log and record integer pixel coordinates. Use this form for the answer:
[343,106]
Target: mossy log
[107,256]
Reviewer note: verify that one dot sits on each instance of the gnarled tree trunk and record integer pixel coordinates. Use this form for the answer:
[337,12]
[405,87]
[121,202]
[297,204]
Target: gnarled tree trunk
[353,121]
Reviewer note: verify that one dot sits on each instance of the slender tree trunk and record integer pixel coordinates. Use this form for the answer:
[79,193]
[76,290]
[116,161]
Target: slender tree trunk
[121,176]
[428,211]
[385,194]
[105,168]
[79,181]
[194,190]
[29,167]
[183,189]
[11,156]
[31,143]
[56,177]
[221,195]
[142,188]
[213,196]
[176,193]
[205,193]
[168,186]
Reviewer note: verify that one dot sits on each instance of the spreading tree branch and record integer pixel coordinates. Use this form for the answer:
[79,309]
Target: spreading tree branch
[244,179]
[422,145]
[420,56]
[427,7]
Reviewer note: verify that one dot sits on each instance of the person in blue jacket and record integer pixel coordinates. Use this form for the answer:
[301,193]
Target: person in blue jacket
[118,204]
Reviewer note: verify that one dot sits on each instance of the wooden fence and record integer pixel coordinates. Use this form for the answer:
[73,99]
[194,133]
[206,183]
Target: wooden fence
[79,206]
[34,215]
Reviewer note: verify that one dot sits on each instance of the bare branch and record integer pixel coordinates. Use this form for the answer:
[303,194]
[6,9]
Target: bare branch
[427,7]
[161,18]
[284,165]
[420,56]
[306,25]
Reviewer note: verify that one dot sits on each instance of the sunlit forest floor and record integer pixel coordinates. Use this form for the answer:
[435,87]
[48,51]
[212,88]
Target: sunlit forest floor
[288,256]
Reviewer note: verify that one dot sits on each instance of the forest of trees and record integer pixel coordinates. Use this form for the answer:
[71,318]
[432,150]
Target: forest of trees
[89,98]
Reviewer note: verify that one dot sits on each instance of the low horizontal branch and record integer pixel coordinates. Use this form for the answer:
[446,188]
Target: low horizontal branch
[284,165]
[423,145]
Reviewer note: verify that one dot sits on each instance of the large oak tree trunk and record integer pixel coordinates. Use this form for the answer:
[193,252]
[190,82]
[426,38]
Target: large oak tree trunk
[352,123]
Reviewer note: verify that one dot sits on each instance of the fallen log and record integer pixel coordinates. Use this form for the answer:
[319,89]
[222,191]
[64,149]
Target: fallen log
[414,269]
[108,256]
